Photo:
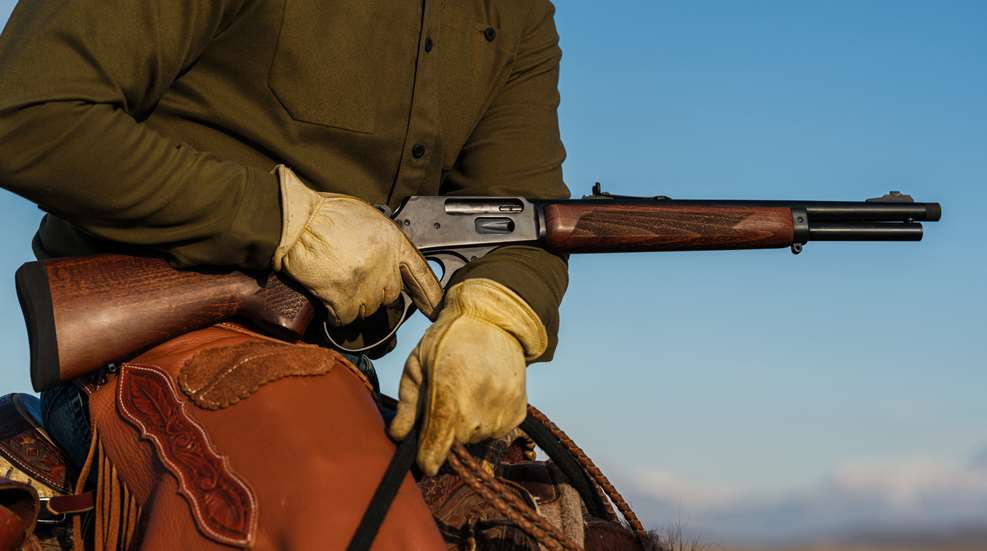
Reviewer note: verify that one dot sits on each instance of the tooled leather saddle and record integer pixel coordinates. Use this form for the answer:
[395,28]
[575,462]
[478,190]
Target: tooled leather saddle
[35,481]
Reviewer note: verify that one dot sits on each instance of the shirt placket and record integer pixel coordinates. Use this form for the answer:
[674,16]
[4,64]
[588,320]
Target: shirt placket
[421,158]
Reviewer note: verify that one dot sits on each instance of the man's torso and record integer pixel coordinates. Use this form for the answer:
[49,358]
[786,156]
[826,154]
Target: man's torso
[373,98]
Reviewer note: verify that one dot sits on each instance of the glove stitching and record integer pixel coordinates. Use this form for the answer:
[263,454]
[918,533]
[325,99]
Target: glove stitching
[407,272]
[330,310]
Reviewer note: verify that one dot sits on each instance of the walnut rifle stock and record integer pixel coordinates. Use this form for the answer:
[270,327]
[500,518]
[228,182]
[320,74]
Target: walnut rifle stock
[85,312]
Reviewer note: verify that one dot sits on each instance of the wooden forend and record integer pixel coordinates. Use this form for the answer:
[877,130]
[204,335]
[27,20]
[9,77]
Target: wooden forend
[582,227]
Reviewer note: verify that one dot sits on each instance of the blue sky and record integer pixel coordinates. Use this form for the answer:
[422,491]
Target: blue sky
[706,381]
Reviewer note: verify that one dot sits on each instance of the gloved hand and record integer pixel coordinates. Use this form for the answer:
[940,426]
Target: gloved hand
[471,362]
[348,254]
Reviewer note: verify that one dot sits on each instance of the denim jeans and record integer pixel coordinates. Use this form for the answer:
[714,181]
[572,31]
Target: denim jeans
[65,413]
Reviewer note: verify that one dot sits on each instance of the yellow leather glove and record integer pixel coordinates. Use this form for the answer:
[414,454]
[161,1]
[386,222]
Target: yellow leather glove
[348,254]
[471,362]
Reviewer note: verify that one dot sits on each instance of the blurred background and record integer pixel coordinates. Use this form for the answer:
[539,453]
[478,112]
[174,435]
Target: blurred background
[757,399]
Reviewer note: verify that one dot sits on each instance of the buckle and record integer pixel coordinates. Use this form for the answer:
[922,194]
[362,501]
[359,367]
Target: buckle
[47,516]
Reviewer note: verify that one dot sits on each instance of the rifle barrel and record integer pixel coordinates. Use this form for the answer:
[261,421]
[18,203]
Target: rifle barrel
[874,212]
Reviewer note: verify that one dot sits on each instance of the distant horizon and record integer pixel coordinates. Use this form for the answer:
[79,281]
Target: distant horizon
[895,540]
[756,396]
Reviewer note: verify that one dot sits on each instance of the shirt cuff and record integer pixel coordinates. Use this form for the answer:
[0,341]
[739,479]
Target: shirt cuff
[256,226]
[536,275]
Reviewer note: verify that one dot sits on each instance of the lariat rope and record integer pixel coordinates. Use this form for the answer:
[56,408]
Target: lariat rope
[509,505]
[601,479]
[519,512]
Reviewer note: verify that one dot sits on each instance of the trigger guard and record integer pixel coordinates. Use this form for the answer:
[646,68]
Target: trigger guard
[409,308]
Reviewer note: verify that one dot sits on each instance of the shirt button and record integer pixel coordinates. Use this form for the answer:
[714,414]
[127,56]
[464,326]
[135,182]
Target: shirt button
[428,44]
[418,151]
[490,34]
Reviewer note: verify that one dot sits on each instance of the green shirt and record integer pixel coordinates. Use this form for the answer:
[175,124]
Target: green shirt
[156,123]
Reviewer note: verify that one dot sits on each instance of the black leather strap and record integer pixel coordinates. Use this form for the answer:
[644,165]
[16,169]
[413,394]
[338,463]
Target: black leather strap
[380,503]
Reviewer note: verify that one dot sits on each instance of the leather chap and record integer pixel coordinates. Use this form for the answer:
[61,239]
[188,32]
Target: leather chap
[257,456]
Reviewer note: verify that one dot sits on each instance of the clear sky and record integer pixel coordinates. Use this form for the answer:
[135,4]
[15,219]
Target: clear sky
[708,382]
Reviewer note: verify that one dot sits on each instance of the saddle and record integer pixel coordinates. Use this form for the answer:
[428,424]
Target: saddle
[225,438]
[34,480]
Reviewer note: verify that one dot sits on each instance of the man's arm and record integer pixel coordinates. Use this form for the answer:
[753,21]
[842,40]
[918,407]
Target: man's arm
[516,150]
[77,78]
[465,381]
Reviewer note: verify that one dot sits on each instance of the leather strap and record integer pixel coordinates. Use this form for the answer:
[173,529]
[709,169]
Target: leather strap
[374,516]
[56,509]
[78,503]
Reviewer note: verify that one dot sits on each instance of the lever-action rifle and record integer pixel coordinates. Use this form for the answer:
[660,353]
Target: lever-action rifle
[84,313]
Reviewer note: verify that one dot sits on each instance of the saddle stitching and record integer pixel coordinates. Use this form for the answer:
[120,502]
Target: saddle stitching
[223,505]
[26,448]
